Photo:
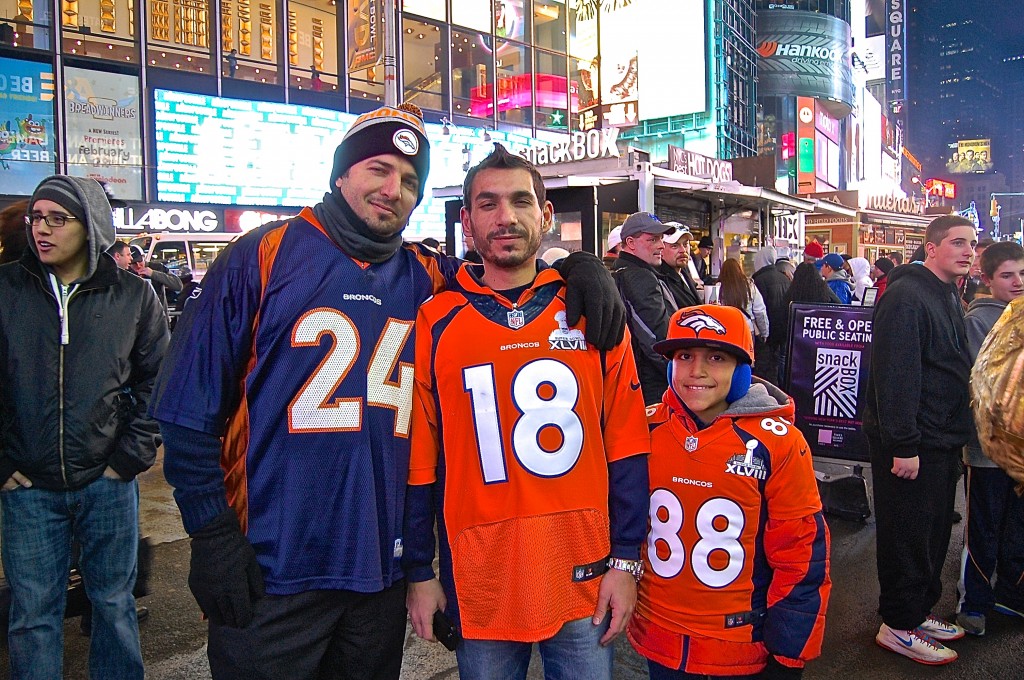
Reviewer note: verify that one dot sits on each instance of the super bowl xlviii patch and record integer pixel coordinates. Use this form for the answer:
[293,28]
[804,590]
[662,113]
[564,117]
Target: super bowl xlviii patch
[564,337]
[690,444]
[516,319]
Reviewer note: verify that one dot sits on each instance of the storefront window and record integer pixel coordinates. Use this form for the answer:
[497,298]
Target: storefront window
[433,9]
[472,75]
[101,31]
[313,46]
[511,20]
[553,92]
[583,28]
[179,36]
[424,64]
[475,14]
[515,93]
[24,25]
[549,24]
[583,86]
[250,28]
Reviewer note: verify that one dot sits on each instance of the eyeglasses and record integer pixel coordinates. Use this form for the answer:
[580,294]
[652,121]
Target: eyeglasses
[54,220]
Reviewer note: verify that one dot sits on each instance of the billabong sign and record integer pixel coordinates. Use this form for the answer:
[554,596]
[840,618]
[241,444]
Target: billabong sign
[581,146]
[696,165]
[157,219]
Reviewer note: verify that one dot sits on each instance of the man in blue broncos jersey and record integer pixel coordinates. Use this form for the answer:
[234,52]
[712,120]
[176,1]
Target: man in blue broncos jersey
[285,405]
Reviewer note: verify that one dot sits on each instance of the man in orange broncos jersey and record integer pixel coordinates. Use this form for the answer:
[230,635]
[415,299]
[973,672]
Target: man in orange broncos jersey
[737,557]
[540,509]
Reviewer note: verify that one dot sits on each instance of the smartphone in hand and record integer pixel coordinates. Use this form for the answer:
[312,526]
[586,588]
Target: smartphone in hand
[445,631]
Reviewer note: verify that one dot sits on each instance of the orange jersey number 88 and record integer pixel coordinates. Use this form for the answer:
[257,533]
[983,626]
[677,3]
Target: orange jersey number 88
[667,522]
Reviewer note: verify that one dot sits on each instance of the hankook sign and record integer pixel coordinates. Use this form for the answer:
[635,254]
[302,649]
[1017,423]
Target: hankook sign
[804,53]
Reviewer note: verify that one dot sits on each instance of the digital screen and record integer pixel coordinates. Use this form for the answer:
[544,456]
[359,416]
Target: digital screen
[239,152]
[969,156]
[26,125]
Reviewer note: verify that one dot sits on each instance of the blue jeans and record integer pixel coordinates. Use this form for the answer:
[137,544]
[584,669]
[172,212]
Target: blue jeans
[37,529]
[573,653]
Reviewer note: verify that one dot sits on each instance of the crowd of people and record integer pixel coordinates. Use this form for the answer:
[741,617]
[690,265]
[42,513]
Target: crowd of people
[344,461]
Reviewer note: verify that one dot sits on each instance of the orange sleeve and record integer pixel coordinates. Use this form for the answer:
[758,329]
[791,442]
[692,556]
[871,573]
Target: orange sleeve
[424,442]
[625,419]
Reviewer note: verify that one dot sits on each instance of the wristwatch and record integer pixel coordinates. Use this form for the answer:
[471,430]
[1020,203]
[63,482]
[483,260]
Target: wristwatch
[632,567]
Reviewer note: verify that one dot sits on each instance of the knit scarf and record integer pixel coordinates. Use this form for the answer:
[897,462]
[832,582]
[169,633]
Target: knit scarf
[351,233]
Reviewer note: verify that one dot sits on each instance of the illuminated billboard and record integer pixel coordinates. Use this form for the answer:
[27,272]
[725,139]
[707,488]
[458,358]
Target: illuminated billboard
[895,55]
[103,135]
[26,125]
[614,93]
[969,156]
[215,150]
[806,54]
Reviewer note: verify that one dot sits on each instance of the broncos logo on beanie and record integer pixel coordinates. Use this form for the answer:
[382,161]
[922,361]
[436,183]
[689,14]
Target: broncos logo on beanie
[388,130]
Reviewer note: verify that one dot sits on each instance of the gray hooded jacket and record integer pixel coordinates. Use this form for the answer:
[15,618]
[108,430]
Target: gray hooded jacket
[77,362]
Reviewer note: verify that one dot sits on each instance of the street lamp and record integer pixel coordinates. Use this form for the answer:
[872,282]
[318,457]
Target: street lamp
[924,189]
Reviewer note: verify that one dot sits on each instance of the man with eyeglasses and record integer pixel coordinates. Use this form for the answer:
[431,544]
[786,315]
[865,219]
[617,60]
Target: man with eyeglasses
[80,344]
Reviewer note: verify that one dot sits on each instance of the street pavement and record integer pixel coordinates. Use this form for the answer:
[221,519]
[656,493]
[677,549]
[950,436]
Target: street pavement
[173,637]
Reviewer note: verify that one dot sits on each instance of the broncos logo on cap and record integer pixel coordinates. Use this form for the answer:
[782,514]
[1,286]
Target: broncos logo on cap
[698,321]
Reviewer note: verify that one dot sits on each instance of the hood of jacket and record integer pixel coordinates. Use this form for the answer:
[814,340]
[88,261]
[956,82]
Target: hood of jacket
[840,275]
[99,219]
[765,258]
[861,268]
[982,303]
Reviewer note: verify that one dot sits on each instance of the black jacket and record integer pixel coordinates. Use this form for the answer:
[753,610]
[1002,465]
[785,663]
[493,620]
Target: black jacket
[773,285]
[647,314]
[918,388]
[102,378]
[683,294]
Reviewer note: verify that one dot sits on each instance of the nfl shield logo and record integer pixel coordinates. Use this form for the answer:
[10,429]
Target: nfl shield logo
[516,319]
[691,444]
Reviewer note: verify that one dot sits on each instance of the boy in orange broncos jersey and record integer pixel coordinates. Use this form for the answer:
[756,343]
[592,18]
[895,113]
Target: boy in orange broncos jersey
[737,558]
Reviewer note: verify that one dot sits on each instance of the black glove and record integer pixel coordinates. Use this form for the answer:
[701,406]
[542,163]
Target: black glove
[224,576]
[776,671]
[590,291]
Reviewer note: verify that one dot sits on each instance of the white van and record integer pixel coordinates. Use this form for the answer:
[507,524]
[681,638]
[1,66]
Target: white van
[173,250]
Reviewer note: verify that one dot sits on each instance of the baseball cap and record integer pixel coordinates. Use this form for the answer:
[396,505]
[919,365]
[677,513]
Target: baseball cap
[614,237]
[834,260]
[644,223]
[137,254]
[718,326]
[681,230]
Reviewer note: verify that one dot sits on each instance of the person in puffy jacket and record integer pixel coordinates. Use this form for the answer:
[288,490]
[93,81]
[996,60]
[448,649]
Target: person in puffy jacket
[80,345]
[831,268]
[736,565]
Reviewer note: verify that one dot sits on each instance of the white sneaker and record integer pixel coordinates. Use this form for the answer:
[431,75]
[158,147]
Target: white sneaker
[941,630]
[915,644]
